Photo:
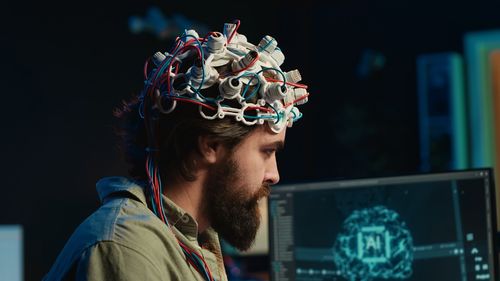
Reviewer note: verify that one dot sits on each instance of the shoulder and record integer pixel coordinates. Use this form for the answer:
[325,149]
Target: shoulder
[120,231]
[109,260]
[135,226]
[129,223]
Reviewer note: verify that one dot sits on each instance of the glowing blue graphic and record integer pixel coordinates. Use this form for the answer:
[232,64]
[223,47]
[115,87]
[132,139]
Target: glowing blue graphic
[374,243]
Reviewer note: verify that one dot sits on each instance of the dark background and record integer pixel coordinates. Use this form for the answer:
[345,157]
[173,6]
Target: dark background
[65,65]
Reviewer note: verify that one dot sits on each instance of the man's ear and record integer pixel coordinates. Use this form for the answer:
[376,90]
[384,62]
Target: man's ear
[210,149]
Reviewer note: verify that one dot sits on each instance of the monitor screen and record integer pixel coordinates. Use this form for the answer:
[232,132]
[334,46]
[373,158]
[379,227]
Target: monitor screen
[11,252]
[419,227]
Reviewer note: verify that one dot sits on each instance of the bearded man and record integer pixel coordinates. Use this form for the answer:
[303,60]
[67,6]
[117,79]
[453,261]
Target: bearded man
[201,140]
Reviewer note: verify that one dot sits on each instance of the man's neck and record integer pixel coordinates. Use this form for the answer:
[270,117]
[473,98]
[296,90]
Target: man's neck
[189,196]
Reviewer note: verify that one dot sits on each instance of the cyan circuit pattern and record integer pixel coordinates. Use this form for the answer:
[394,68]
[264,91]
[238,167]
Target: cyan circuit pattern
[374,243]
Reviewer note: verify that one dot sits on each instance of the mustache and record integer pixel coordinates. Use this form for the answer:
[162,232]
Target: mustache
[263,191]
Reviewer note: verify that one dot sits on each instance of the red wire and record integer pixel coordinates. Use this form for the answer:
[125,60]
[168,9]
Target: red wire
[288,83]
[168,75]
[156,189]
[192,46]
[188,42]
[158,195]
[173,50]
[258,107]
[163,78]
[206,266]
[297,100]
[176,68]
[173,59]
[168,68]
[206,36]
[204,263]
[152,183]
[146,68]
[234,31]
[248,66]
[195,102]
[187,249]
[178,42]
[151,90]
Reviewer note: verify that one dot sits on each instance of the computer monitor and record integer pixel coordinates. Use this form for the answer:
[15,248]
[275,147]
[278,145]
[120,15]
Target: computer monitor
[431,227]
[11,252]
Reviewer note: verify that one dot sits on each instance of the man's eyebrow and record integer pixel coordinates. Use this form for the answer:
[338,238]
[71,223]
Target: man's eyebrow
[278,145]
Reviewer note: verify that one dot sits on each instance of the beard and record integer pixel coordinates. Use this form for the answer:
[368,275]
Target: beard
[234,213]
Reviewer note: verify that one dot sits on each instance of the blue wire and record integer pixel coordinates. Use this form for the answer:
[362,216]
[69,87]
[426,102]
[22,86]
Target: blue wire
[256,75]
[297,118]
[277,113]
[192,99]
[265,46]
[200,47]
[202,96]
[141,109]
[247,86]
[255,90]
[161,70]
[258,117]
[153,204]
[172,56]
[275,69]
[200,264]
[162,209]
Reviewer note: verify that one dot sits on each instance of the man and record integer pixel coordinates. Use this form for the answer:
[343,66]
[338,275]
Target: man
[201,141]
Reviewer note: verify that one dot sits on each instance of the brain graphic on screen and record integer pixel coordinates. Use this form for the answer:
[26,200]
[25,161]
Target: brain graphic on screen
[374,243]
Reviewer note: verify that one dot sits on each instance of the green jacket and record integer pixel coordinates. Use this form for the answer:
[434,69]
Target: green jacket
[124,240]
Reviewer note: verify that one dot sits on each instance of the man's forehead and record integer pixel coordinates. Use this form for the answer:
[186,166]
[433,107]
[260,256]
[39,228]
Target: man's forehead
[268,137]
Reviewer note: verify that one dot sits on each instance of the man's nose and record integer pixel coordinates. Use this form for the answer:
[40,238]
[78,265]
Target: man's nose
[272,175]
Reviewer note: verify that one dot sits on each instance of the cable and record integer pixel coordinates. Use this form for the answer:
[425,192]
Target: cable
[266,45]
[277,113]
[254,60]
[258,107]
[234,31]
[277,70]
[297,100]
[195,102]
[258,117]
[288,83]
[256,87]
[146,68]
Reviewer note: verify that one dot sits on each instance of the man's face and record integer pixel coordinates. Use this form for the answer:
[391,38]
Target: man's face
[238,182]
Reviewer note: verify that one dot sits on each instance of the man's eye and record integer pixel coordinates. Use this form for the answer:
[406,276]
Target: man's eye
[269,151]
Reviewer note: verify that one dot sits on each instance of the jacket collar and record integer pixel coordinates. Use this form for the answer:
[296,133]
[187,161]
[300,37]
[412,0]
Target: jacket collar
[110,186]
